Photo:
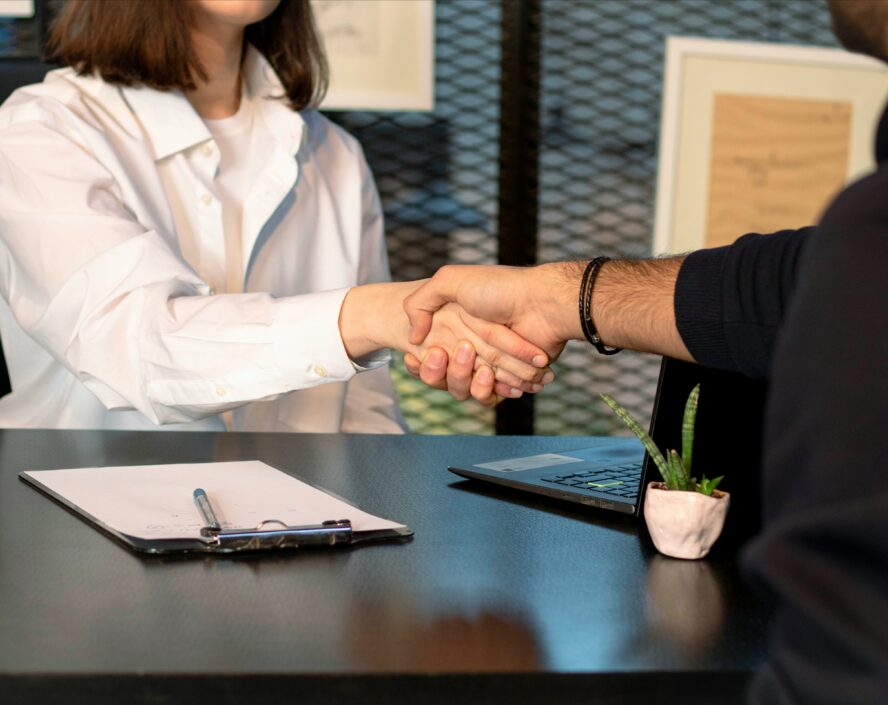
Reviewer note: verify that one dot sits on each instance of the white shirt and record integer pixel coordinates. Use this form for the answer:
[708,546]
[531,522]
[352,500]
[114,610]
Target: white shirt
[112,251]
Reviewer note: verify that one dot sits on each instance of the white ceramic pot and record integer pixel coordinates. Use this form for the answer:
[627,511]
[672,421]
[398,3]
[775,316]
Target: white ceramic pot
[684,524]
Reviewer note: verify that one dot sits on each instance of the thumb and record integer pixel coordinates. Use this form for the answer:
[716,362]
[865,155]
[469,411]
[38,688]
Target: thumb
[420,306]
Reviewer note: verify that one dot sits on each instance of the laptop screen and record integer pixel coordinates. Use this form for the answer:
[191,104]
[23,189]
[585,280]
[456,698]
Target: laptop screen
[728,437]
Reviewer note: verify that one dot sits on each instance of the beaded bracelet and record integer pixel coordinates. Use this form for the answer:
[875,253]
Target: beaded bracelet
[588,283]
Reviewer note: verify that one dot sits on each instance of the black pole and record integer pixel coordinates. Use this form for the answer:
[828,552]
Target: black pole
[519,163]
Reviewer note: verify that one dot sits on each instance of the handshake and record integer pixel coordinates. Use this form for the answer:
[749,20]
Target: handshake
[490,332]
[517,322]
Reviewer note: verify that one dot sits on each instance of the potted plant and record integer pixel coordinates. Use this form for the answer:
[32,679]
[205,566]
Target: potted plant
[683,516]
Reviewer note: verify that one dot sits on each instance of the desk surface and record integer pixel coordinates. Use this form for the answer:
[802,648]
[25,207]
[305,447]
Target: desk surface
[500,597]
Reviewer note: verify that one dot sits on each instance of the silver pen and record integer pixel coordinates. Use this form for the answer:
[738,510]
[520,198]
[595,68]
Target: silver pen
[206,510]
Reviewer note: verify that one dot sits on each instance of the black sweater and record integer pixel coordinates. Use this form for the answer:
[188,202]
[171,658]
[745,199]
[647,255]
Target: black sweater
[808,309]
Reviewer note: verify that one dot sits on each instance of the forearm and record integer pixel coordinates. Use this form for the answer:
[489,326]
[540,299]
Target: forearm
[177,358]
[632,302]
[633,306]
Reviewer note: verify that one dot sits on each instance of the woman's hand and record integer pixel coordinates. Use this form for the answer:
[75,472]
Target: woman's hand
[461,374]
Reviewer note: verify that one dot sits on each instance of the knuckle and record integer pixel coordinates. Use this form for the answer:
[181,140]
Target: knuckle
[529,375]
[494,357]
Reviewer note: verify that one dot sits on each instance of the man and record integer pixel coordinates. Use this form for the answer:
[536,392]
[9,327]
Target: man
[807,309]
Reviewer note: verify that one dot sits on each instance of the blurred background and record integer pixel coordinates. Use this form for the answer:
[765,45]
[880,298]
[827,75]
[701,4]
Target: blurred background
[542,146]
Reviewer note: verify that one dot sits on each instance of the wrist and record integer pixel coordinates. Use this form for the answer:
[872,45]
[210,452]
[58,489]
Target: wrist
[586,306]
[357,320]
[560,289]
[372,318]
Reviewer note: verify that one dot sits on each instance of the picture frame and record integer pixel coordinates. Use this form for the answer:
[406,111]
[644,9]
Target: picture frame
[756,137]
[17,8]
[381,53]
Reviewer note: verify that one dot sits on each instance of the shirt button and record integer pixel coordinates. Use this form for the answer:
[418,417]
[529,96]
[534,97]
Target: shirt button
[221,391]
[320,370]
[206,150]
[206,199]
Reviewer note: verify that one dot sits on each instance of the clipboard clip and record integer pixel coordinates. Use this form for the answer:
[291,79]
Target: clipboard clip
[328,533]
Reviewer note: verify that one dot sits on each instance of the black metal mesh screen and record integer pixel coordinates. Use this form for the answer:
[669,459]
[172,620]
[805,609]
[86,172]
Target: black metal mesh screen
[600,101]
[437,177]
[600,110]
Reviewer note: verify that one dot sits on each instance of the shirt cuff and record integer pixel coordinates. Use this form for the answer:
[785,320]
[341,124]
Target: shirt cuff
[317,316]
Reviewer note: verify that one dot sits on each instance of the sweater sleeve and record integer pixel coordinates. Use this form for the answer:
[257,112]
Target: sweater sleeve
[730,301]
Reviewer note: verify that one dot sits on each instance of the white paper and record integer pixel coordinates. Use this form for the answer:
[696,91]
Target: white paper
[157,501]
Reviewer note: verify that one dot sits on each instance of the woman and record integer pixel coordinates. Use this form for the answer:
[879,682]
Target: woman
[182,237]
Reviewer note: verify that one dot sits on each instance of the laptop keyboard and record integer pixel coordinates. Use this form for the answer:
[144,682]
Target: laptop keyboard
[617,480]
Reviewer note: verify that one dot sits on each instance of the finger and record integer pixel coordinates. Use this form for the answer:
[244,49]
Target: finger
[500,356]
[507,367]
[506,391]
[509,380]
[433,370]
[533,387]
[460,371]
[412,363]
[482,387]
[423,302]
[505,376]
[504,338]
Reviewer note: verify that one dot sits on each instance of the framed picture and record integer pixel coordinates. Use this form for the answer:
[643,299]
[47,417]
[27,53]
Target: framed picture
[759,137]
[381,53]
[16,8]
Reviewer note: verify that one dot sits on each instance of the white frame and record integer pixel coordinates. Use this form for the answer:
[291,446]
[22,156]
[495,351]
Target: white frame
[16,8]
[776,69]
[400,73]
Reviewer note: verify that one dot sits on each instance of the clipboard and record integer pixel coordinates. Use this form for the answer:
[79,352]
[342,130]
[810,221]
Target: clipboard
[146,508]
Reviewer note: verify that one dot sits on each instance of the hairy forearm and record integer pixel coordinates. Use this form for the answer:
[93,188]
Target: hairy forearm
[633,306]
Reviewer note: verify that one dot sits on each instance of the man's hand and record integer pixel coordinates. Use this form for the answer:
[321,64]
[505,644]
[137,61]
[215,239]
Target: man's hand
[632,307]
[537,303]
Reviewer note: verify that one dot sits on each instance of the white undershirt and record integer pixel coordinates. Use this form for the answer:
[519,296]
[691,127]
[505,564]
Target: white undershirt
[243,150]
[244,146]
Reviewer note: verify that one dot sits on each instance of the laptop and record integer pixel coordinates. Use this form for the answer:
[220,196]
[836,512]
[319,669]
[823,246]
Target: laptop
[612,475]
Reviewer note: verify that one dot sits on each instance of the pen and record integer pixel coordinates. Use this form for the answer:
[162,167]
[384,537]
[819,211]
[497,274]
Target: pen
[206,510]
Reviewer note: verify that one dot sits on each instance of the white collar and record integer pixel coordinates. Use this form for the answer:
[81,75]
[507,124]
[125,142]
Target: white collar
[171,124]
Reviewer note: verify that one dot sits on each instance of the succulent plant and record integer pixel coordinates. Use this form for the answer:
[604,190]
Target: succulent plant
[674,468]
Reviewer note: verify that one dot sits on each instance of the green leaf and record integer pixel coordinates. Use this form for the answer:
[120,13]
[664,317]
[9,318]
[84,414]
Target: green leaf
[707,486]
[683,478]
[687,427]
[674,473]
[642,435]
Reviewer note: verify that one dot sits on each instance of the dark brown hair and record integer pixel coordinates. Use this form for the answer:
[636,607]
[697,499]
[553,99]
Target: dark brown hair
[148,42]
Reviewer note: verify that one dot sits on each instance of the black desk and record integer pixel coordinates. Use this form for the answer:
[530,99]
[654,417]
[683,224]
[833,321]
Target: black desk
[499,598]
